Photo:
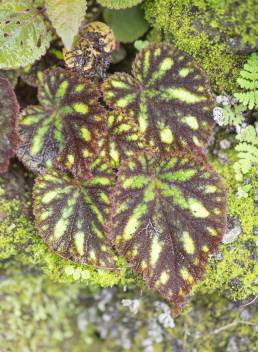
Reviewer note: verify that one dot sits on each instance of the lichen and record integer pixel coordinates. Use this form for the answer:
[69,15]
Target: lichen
[215,33]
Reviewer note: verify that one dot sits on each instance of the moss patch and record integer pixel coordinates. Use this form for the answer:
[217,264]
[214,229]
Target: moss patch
[215,33]
[236,272]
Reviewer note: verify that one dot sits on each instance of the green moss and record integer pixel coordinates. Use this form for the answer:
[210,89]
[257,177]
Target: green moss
[209,31]
[36,314]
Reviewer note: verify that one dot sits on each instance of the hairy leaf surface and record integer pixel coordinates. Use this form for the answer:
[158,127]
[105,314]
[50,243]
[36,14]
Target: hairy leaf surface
[168,216]
[66,17]
[71,214]
[168,94]
[122,140]
[9,110]
[23,34]
[66,125]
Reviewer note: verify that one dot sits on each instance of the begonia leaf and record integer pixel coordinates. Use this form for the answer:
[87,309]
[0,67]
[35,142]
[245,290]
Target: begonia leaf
[168,216]
[65,126]
[169,96]
[71,214]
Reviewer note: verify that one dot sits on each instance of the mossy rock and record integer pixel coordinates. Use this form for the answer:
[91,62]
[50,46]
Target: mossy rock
[217,34]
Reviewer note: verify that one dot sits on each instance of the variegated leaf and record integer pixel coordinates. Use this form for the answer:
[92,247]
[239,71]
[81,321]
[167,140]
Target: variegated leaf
[66,125]
[71,214]
[168,216]
[169,95]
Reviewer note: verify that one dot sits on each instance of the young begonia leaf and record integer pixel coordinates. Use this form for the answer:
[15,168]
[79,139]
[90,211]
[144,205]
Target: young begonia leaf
[91,53]
[71,214]
[168,94]
[122,139]
[9,111]
[66,125]
[168,216]
[24,36]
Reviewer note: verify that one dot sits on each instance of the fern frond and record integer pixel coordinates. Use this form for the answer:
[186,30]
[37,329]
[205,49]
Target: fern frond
[247,151]
[248,81]
[232,115]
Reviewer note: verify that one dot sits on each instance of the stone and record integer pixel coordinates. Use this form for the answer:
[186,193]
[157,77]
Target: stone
[234,230]
[225,144]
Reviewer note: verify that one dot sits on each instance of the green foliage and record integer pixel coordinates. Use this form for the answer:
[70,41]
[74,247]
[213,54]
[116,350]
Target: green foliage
[167,218]
[168,95]
[166,104]
[141,44]
[232,115]
[70,215]
[24,36]
[66,17]
[66,124]
[247,151]
[215,33]
[123,21]
[9,112]
[248,81]
[119,4]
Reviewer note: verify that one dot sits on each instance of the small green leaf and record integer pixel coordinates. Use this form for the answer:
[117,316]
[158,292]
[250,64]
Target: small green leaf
[168,95]
[71,215]
[248,81]
[122,22]
[9,112]
[247,149]
[66,125]
[232,115]
[141,44]
[168,216]
[119,4]
[23,34]
[122,140]
[66,17]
